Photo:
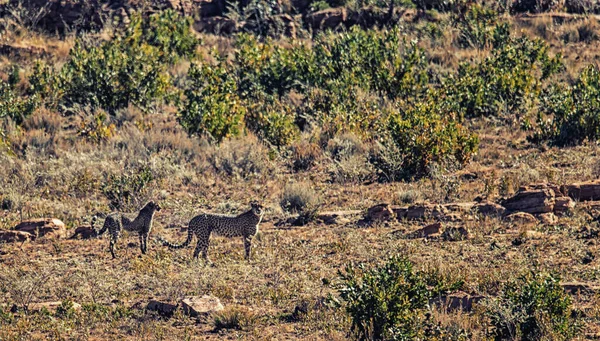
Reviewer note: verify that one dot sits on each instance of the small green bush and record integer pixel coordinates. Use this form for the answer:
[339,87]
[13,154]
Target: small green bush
[418,135]
[213,107]
[389,302]
[14,105]
[479,27]
[532,307]
[506,83]
[571,115]
[125,190]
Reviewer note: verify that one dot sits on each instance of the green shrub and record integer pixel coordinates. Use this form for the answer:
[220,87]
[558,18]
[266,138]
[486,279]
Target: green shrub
[389,302]
[213,107]
[507,82]
[420,134]
[532,307]
[14,105]
[131,68]
[479,27]
[125,190]
[574,112]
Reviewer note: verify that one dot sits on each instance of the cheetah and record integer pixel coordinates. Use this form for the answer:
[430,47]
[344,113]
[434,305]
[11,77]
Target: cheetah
[142,224]
[244,225]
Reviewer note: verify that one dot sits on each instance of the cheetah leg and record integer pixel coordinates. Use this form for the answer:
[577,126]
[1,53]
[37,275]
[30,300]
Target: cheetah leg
[113,241]
[145,243]
[247,246]
[202,246]
[142,243]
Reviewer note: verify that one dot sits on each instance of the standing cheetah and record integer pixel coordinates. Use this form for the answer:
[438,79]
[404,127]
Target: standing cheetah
[142,224]
[244,225]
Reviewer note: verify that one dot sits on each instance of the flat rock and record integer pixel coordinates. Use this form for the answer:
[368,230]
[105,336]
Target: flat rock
[488,208]
[580,287]
[84,232]
[425,211]
[196,305]
[337,217]
[531,201]
[458,301]
[381,212]
[162,308]
[583,191]
[43,227]
[548,218]
[521,218]
[563,205]
[427,231]
[50,306]
[11,236]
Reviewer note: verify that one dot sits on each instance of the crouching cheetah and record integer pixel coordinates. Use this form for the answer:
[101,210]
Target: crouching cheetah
[244,225]
[142,224]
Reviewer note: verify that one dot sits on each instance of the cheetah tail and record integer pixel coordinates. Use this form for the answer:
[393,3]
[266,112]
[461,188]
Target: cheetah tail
[177,246]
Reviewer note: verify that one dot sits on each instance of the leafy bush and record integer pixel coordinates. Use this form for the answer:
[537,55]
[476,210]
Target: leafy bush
[131,68]
[244,158]
[532,307]
[98,128]
[574,111]
[126,190]
[418,135]
[13,105]
[389,302]
[479,27]
[507,82]
[213,107]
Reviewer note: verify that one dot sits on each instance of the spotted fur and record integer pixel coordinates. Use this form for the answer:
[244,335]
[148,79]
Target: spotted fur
[142,224]
[244,225]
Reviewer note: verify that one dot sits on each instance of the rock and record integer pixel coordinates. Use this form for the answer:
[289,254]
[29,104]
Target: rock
[583,191]
[10,236]
[16,51]
[458,301]
[43,227]
[51,306]
[548,218]
[84,232]
[165,309]
[488,208]
[459,207]
[425,211]
[531,234]
[381,212]
[197,306]
[337,217]
[399,212]
[580,288]
[563,205]
[427,231]
[522,218]
[455,234]
[531,201]
[216,25]
[209,8]
[329,18]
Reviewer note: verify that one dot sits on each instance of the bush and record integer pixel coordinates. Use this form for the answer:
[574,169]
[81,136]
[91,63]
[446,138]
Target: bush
[302,199]
[213,107]
[532,307]
[304,155]
[507,82]
[126,191]
[418,135]
[13,105]
[232,319]
[479,28]
[389,302]
[574,111]
[131,68]
[243,158]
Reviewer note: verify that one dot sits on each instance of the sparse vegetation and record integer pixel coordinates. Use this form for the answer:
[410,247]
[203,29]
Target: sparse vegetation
[445,106]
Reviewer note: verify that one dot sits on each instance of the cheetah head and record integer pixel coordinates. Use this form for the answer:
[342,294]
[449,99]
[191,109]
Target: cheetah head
[257,208]
[154,206]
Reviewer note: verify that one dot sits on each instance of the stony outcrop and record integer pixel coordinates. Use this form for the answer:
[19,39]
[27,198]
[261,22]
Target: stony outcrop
[531,201]
[583,191]
[198,306]
[381,212]
[521,218]
[11,236]
[426,232]
[163,308]
[43,227]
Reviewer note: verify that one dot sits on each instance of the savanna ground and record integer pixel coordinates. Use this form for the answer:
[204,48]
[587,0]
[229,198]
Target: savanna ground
[77,162]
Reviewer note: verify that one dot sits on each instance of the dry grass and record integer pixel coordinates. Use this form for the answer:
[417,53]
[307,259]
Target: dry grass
[281,294]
